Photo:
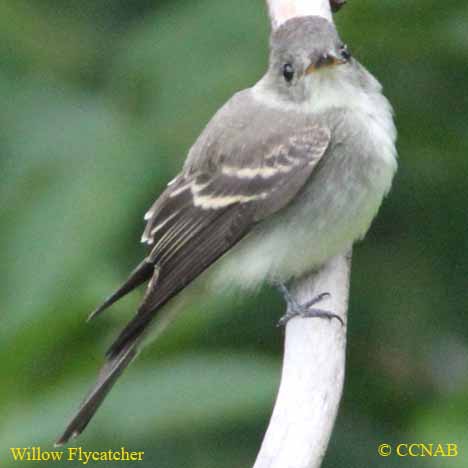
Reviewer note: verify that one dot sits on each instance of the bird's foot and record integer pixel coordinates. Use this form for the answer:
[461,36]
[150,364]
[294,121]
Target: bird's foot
[307,310]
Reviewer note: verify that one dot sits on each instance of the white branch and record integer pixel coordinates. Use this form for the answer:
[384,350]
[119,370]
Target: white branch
[314,357]
[282,10]
[313,375]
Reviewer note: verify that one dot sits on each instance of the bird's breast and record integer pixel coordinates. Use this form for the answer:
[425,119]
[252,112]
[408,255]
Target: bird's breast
[333,210]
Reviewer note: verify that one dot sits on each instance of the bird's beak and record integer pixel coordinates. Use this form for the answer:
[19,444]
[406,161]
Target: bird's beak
[326,60]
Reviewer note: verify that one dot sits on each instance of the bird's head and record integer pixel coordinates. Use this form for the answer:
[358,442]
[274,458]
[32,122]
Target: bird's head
[304,52]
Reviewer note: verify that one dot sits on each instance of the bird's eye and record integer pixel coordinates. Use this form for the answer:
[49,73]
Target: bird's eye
[288,72]
[344,51]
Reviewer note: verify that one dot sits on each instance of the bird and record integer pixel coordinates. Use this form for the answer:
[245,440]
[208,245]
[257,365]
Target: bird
[286,175]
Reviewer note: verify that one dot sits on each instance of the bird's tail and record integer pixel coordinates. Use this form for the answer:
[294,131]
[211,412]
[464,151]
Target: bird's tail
[139,275]
[108,375]
[116,364]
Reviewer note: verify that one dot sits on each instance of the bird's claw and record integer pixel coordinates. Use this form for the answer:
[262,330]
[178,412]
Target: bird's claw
[304,310]
[308,313]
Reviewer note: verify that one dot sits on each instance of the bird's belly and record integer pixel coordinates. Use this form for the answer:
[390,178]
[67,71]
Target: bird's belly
[334,210]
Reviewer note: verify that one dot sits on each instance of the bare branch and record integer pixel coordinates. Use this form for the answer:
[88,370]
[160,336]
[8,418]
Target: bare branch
[312,377]
[337,4]
[282,10]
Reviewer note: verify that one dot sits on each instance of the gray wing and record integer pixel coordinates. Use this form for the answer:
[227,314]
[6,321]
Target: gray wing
[202,214]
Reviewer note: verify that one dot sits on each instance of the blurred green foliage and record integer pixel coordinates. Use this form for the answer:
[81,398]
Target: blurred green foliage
[99,103]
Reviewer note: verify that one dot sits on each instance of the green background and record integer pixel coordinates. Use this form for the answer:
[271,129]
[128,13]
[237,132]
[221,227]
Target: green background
[99,103]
